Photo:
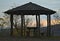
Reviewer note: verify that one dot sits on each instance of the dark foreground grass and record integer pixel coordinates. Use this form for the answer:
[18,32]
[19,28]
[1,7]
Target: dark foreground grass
[12,38]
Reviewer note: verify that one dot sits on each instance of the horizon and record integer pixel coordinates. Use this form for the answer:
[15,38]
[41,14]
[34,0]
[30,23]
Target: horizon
[32,23]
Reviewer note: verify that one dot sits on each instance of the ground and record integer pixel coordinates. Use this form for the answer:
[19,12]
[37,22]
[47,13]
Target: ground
[27,39]
[4,36]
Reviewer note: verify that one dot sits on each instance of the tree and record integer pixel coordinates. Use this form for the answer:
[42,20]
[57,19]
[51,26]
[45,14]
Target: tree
[57,17]
[2,23]
[27,21]
[6,18]
[16,22]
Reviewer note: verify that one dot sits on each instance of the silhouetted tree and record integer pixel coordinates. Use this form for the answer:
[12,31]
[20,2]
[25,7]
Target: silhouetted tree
[57,17]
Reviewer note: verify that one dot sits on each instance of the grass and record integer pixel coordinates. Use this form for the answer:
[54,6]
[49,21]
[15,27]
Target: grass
[16,34]
[54,37]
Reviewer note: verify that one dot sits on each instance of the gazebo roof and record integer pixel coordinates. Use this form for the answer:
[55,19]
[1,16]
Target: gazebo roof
[30,9]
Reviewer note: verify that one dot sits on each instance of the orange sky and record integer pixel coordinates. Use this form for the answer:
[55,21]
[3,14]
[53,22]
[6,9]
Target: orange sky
[43,23]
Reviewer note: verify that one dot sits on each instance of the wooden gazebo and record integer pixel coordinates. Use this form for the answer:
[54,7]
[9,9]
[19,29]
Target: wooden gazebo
[31,9]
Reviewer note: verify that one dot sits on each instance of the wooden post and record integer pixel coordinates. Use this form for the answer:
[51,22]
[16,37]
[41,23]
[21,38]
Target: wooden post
[36,25]
[21,25]
[39,24]
[24,24]
[11,20]
[48,25]
[36,21]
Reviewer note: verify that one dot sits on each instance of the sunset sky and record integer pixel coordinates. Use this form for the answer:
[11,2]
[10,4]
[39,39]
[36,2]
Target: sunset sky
[8,4]
[43,23]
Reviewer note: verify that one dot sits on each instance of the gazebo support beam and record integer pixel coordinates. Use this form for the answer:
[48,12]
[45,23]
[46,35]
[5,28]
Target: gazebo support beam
[36,21]
[48,25]
[36,24]
[22,24]
[39,24]
[11,20]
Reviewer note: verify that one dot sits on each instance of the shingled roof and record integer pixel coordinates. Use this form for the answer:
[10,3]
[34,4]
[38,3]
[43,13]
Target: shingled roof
[30,9]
